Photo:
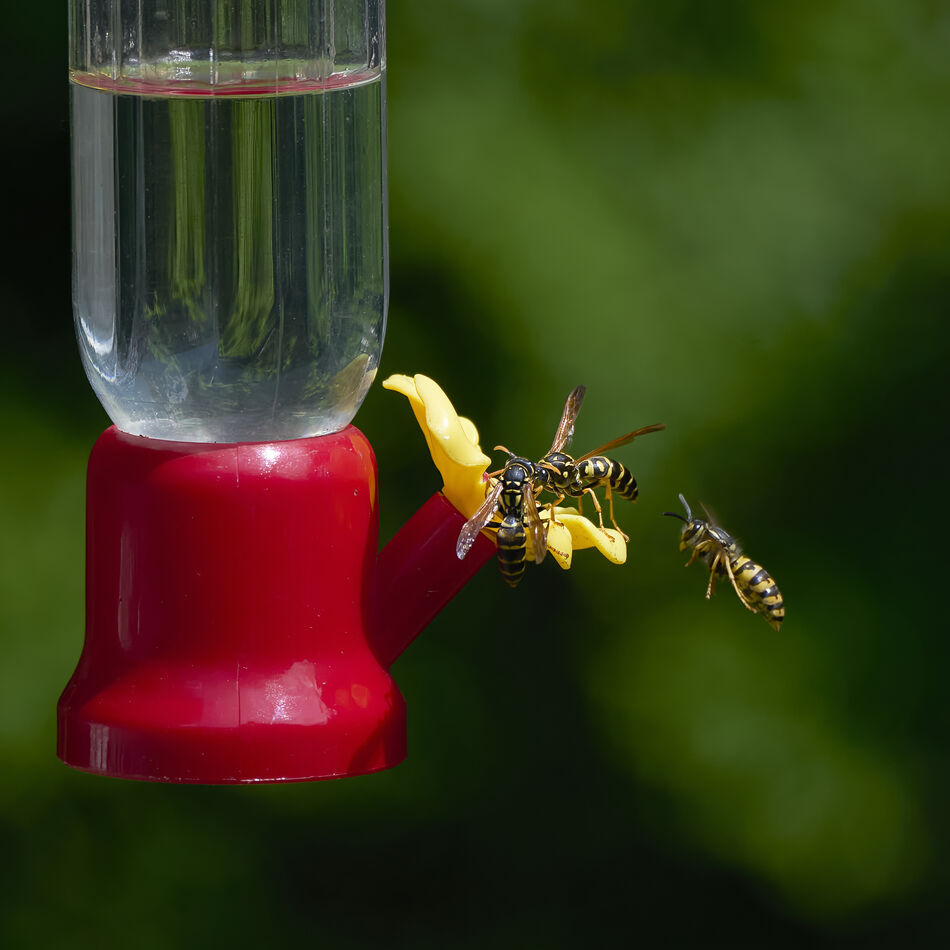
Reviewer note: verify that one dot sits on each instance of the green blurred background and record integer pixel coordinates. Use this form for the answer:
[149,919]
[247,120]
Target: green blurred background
[730,217]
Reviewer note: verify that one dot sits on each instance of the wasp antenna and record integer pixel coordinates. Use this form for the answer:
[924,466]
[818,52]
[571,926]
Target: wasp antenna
[501,448]
[674,514]
[689,514]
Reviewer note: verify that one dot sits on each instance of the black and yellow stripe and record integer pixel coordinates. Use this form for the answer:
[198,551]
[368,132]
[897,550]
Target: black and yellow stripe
[761,591]
[511,536]
[600,470]
[510,509]
[512,548]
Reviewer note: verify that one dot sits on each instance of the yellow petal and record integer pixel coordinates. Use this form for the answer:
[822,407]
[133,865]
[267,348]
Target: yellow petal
[560,544]
[457,436]
[452,440]
[586,534]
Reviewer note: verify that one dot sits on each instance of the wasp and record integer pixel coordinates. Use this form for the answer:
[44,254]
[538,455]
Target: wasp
[563,475]
[721,553]
[513,498]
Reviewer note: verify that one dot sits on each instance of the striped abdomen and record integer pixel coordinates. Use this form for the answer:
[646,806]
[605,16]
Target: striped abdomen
[600,470]
[760,589]
[512,548]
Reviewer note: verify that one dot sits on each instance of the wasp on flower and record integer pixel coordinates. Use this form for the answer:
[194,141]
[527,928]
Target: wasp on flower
[454,446]
[514,496]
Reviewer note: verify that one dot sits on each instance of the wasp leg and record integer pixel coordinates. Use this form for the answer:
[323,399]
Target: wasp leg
[552,505]
[711,587]
[613,520]
[699,549]
[600,511]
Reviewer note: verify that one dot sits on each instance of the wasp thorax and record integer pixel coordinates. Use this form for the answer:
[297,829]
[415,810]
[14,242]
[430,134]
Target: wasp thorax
[519,470]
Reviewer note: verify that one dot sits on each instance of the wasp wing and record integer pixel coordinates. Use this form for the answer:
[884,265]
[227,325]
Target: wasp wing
[534,524]
[711,515]
[565,428]
[623,440]
[729,542]
[472,527]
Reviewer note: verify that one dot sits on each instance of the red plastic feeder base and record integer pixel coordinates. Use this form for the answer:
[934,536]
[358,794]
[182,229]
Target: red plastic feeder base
[229,605]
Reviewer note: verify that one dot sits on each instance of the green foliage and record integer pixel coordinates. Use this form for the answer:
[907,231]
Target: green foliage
[732,218]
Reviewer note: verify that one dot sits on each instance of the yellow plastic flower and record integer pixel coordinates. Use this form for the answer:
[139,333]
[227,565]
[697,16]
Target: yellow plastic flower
[453,445]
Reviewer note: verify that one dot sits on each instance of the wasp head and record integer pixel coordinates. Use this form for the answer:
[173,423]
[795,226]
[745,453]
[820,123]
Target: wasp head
[693,528]
[555,471]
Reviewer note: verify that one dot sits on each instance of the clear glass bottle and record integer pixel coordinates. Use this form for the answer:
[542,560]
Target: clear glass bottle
[230,260]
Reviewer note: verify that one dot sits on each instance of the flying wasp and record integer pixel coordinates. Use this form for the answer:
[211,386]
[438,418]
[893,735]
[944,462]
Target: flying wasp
[563,475]
[721,553]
